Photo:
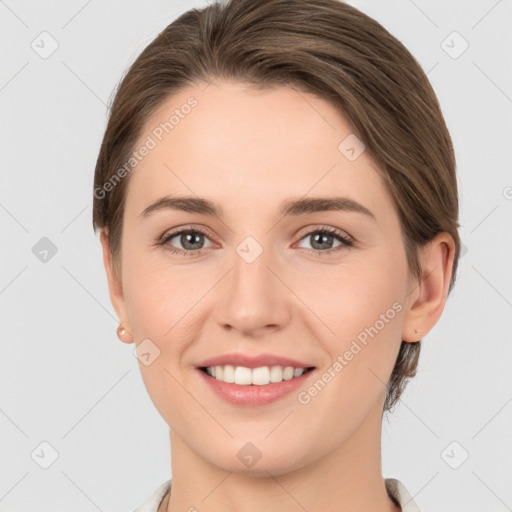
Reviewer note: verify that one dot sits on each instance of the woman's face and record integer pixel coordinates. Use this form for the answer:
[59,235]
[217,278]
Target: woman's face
[252,280]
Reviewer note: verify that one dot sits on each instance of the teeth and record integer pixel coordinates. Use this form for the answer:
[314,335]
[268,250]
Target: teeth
[256,376]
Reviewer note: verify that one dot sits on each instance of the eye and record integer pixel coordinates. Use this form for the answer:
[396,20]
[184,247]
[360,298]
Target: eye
[191,240]
[323,238]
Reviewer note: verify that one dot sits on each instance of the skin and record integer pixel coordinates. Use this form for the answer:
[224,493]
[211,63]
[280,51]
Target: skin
[249,151]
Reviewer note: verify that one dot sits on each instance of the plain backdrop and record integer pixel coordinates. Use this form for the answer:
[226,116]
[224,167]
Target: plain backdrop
[72,397]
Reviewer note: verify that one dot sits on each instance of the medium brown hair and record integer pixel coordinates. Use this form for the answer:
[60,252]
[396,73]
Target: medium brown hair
[326,48]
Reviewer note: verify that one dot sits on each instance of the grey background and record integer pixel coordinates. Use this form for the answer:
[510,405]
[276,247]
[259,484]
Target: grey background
[68,381]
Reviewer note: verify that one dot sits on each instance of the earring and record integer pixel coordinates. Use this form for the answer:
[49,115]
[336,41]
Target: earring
[121,332]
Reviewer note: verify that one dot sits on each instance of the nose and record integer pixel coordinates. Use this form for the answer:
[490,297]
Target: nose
[253,299]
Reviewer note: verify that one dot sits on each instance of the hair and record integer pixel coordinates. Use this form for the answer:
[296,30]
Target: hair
[326,48]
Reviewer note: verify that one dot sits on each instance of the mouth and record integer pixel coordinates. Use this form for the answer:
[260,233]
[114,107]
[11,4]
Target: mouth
[260,376]
[255,387]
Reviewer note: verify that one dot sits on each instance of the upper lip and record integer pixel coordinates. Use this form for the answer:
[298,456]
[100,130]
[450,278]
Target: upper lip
[238,359]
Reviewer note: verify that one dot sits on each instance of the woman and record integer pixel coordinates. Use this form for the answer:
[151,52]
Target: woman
[278,208]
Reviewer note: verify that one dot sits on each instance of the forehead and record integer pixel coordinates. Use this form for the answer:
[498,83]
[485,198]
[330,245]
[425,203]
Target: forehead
[240,144]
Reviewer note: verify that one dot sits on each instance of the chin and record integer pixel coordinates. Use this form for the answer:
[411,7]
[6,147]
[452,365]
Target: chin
[246,458]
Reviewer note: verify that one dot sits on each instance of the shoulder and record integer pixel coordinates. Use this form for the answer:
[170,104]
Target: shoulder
[397,490]
[153,501]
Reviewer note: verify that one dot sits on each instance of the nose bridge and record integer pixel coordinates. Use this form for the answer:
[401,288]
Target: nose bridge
[253,297]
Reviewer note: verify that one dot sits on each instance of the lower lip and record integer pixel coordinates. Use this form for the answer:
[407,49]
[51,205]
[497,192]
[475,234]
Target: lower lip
[252,395]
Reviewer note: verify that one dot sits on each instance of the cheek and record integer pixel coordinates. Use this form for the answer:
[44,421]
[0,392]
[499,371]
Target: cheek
[351,297]
[160,303]
[361,307]
[365,312]
[163,300]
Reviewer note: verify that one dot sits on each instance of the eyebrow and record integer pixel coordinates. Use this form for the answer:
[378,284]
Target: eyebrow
[290,207]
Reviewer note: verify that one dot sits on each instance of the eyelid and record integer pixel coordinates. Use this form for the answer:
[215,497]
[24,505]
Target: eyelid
[343,237]
[191,227]
[325,228]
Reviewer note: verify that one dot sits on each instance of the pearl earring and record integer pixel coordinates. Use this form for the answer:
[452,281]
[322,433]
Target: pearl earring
[121,332]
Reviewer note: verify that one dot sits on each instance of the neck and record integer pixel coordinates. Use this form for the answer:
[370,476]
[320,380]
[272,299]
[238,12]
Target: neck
[348,478]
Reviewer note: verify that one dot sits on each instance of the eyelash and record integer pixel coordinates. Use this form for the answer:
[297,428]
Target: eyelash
[347,242]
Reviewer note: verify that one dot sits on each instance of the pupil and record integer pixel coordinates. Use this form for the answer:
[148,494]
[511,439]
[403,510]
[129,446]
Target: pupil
[322,236]
[187,239]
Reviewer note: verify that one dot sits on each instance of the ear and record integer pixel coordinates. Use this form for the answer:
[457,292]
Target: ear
[427,295]
[115,287]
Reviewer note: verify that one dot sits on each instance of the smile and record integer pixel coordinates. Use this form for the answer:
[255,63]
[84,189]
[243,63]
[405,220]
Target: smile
[251,393]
